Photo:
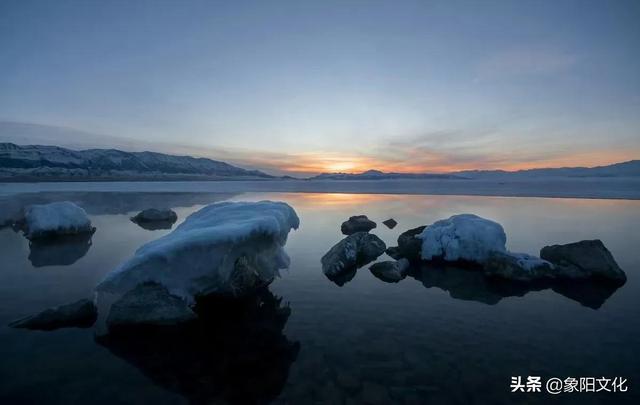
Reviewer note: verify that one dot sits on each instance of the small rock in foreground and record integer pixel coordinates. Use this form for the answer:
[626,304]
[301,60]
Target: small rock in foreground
[358,223]
[80,314]
[155,215]
[390,223]
[149,304]
[584,259]
[391,271]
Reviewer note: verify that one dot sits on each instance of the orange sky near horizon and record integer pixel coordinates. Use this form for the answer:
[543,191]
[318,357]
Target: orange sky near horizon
[311,163]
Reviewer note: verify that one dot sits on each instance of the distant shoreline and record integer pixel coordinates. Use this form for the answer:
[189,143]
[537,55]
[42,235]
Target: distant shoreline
[627,188]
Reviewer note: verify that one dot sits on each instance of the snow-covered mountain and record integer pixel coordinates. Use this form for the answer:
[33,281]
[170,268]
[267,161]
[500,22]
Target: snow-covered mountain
[378,175]
[36,162]
[624,169]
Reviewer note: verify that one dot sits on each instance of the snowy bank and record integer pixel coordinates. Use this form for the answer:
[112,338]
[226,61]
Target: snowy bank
[228,248]
[54,219]
[465,237]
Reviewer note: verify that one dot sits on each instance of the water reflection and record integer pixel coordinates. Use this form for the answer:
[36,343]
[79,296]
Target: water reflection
[97,203]
[236,352]
[472,285]
[62,251]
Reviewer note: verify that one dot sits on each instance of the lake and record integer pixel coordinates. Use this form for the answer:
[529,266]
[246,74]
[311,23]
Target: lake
[437,336]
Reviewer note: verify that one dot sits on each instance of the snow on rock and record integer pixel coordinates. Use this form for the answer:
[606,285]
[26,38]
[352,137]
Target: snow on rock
[54,219]
[229,248]
[464,237]
[518,267]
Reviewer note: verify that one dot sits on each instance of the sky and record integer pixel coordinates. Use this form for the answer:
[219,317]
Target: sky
[302,87]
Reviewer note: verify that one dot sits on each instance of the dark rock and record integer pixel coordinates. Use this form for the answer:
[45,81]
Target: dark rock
[153,215]
[358,223]
[391,271]
[518,267]
[584,259]
[409,246]
[352,252]
[393,252]
[390,223]
[80,314]
[149,304]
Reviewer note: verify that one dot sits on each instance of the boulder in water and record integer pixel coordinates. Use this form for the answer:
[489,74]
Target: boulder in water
[358,223]
[80,314]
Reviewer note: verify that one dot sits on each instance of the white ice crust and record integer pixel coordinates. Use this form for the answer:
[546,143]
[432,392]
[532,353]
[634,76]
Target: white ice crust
[462,237]
[529,262]
[200,255]
[58,218]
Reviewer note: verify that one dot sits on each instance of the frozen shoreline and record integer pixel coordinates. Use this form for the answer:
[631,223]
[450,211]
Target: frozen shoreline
[598,188]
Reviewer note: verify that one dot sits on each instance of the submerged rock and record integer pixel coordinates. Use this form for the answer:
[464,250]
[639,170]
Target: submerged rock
[584,259]
[352,252]
[204,254]
[464,237]
[409,245]
[518,267]
[391,271]
[80,314]
[149,304]
[390,223]
[358,223]
[55,219]
[155,215]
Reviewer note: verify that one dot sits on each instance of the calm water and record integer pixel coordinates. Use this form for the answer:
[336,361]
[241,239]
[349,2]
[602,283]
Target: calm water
[438,337]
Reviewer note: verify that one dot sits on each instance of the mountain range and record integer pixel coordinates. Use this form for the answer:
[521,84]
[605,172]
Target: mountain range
[36,162]
[624,169]
[42,163]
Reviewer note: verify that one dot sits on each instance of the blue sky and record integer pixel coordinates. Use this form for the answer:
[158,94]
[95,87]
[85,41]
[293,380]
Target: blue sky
[303,86]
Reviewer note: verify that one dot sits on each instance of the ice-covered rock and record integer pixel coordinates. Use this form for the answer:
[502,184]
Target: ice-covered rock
[55,219]
[352,252]
[358,223]
[464,237]
[584,259]
[149,304]
[518,267]
[409,246]
[155,215]
[228,248]
[81,314]
[391,271]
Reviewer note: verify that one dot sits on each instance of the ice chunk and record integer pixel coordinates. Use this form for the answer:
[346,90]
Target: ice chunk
[462,237]
[228,248]
[58,218]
